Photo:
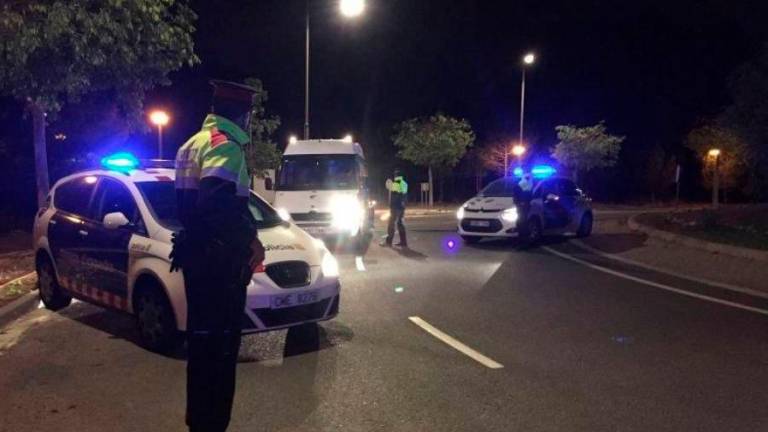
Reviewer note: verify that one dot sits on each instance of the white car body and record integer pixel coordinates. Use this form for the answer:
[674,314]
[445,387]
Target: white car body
[336,211]
[80,268]
[557,206]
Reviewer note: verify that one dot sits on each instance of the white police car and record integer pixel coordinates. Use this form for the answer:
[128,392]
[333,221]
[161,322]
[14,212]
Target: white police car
[104,237]
[557,207]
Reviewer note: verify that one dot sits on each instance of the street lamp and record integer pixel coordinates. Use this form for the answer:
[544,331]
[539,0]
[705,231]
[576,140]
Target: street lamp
[347,138]
[715,154]
[347,8]
[518,150]
[159,118]
[528,60]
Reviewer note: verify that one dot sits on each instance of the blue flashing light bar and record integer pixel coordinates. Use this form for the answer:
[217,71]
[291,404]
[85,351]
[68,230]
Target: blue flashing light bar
[518,172]
[543,171]
[120,162]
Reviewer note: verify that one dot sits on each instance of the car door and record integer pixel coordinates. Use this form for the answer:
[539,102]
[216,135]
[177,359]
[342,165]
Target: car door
[107,248]
[71,200]
[570,199]
[555,211]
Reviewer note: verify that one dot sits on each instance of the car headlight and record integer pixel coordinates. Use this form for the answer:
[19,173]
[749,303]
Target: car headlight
[347,214]
[510,215]
[284,215]
[329,266]
[460,213]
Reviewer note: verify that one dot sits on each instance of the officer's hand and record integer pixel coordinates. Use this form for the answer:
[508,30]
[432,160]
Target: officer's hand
[257,253]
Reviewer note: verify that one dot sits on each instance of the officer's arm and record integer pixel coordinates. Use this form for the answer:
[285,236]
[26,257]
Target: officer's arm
[218,204]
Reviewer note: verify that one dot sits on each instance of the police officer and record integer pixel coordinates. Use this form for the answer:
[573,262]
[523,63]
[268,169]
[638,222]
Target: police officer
[217,251]
[397,200]
[523,193]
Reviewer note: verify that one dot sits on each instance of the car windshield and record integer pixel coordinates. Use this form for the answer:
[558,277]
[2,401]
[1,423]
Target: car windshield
[160,197]
[500,188]
[318,172]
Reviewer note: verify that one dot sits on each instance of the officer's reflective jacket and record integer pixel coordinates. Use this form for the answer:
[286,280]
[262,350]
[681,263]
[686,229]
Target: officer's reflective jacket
[399,191]
[212,184]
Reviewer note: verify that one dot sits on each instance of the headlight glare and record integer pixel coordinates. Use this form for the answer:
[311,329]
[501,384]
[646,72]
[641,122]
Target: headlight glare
[329,266]
[460,213]
[510,215]
[347,214]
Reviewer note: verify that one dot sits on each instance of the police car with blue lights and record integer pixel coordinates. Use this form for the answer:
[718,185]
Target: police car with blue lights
[557,206]
[104,237]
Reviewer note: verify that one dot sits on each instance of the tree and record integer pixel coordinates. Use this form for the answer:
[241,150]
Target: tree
[584,149]
[261,153]
[55,51]
[436,142]
[493,156]
[747,117]
[733,154]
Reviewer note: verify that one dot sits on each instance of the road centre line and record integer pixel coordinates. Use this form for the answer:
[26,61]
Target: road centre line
[455,344]
[655,284]
[656,269]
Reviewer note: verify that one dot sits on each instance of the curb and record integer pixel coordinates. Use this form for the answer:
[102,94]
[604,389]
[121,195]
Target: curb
[18,307]
[718,248]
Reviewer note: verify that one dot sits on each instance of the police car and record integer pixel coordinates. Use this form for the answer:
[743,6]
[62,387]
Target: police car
[104,237]
[557,207]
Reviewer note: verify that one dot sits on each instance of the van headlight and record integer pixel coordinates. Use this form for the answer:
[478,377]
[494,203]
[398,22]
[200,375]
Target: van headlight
[510,215]
[460,213]
[347,214]
[329,266]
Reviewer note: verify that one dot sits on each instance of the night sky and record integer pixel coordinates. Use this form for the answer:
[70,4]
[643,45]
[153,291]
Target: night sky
[649,69]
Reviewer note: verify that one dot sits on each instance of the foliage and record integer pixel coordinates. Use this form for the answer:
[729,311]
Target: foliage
[55,51]
[262,153]
[492,157]
[733,157]
[747,116]
[438,141]
[586,148]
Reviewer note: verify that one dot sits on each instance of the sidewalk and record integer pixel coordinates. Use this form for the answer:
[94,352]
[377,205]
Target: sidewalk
[614,237]
[16,259]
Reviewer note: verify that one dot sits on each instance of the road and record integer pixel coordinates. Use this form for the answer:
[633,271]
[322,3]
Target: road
[554,344]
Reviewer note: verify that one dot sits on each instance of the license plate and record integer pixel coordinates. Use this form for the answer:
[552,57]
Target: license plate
[484,224]
[294,299]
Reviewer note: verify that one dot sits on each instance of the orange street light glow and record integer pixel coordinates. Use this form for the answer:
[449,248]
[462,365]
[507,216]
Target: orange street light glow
[159,118]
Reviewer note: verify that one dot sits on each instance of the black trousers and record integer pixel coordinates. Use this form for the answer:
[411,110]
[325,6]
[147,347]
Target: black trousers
[396,218]
[216,290]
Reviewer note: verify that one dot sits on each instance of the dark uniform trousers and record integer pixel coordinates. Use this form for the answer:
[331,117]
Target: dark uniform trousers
[396,218]
[216,285]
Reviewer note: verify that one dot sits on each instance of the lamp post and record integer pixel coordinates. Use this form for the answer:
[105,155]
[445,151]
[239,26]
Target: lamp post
[528,60]
[159,118]
[347,8]
[715,153]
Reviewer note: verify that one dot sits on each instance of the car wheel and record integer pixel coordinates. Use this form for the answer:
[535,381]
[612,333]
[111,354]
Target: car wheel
[471,239]
[534,231]
[52,295]
[585,226]
[155,320]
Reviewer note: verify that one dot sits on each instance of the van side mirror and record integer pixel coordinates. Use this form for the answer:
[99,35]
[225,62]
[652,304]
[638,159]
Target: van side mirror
[268,184]
[115,220]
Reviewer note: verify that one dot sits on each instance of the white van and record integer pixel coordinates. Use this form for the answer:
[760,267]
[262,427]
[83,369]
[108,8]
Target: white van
[322,184]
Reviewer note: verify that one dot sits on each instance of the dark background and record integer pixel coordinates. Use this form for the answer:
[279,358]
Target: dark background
[650,69]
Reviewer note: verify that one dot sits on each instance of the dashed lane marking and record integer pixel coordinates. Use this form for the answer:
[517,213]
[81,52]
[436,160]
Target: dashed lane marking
[656,284]
[456,344]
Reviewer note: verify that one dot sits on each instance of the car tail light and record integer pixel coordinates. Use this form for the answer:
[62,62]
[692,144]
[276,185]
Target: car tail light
[260,268]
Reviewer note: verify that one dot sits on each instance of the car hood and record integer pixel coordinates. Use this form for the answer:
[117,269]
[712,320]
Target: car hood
[489,203]
[285,242]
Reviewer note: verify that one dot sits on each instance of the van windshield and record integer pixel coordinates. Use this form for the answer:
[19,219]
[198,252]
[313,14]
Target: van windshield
[318,172]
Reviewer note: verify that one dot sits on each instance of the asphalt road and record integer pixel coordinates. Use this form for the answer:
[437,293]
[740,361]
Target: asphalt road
[582,349]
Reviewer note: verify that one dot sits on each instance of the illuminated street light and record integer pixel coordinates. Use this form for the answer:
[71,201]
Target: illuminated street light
[518,150]
[715,153]
[529,58]
[292,139]
[347,138]
[347,8]
[352,8]
[159,118]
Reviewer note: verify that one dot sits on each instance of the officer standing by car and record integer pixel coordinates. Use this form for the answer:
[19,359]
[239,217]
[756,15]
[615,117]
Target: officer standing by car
[523,193]
[397,200]
[217,250]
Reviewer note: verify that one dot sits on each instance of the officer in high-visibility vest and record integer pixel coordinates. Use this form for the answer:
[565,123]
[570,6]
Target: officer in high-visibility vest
[217,250]
[398,197]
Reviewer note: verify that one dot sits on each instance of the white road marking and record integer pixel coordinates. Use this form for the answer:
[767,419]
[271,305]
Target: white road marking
[722,285]
[455,344]
[359,263]
[657,285]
